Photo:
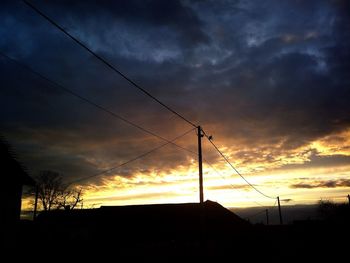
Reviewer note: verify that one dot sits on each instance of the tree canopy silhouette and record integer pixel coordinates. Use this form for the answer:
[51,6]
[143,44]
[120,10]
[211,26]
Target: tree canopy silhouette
[54,194]
[334,212]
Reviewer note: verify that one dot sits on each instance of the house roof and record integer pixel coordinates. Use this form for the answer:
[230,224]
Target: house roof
[158,220]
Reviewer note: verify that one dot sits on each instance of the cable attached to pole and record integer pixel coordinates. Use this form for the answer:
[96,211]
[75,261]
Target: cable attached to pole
[225,158]
[131,160]
[77,95]
[104,61]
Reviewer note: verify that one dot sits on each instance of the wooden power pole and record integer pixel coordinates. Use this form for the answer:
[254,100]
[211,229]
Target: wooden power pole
[36,202]
[200,167]
[201,194]
[279,210]
[267,216]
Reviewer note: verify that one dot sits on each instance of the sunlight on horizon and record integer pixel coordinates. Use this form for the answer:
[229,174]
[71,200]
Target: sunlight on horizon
[297,184]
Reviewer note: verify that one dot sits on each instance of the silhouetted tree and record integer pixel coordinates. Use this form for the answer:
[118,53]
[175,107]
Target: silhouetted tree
[335,212]
[54,194]
[70,199]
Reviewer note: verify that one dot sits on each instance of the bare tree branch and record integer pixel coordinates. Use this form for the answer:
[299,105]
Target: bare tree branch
[53,194]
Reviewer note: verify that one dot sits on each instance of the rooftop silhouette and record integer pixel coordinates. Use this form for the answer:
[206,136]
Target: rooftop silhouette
[159,221]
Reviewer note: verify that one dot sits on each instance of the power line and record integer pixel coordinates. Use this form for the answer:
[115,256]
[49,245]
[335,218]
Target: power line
[260,212]
[108,64]
[224,157]
[75,94]
[131,160]
[125,120]
[232,186]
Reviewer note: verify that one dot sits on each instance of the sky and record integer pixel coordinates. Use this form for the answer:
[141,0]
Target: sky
[269,80]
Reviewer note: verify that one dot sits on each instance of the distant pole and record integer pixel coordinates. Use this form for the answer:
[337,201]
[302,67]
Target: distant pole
[279,210]
[349,199]
[267,216]
[36,202]
[200,168]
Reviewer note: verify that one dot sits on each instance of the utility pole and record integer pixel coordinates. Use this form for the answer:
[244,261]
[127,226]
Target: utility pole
[200,168]
[349,199]
[36,202]
[202,241]
[267,216]
[279,210]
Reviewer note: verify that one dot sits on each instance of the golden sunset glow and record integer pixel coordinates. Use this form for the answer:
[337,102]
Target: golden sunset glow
[288,174]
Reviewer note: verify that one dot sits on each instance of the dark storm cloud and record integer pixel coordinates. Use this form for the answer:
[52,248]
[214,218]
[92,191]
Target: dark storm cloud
[151,13]
[256,74]
[315,161]
[57,150]
[323,184]
[287,89]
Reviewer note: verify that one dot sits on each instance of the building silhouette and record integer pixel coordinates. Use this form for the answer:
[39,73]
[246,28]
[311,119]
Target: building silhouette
[13,177]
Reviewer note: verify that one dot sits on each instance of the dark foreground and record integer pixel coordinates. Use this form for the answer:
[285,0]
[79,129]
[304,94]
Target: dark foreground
[173,234]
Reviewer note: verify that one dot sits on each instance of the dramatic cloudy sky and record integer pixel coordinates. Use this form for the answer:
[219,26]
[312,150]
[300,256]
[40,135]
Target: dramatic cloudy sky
[268,79]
